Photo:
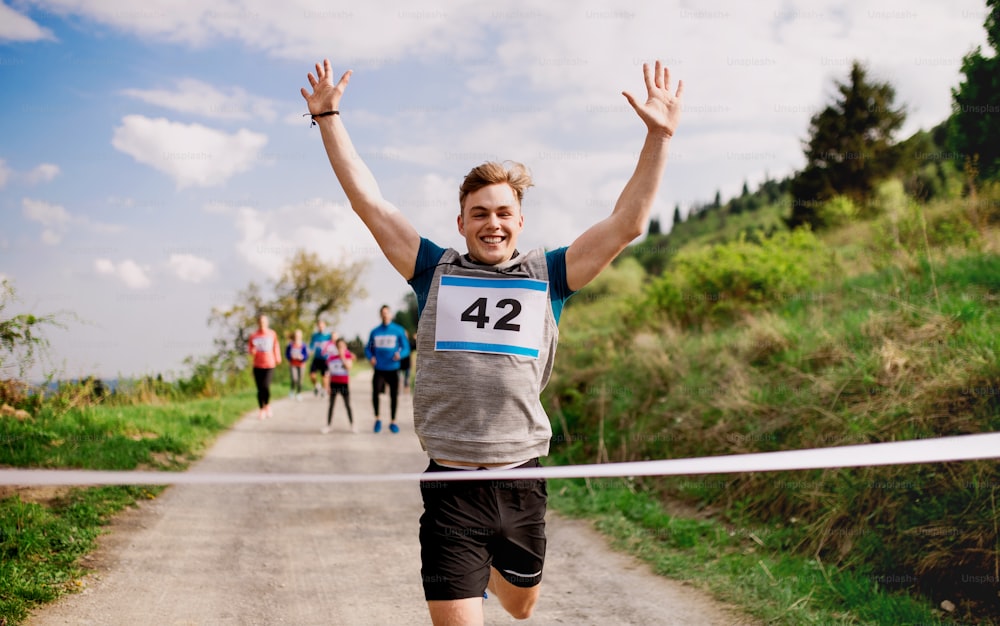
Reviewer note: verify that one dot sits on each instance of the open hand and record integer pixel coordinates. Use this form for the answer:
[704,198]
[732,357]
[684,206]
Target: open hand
[662,110]
[326,95]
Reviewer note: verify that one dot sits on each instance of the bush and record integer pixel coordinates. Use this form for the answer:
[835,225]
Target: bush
[721,281]
[838,211]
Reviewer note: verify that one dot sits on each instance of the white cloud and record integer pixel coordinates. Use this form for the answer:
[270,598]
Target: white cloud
[268,239]
[191,268]
[17,27]
[43,173]
[200,98]
[56,220]
[367,35]
[128,271]
[45,213]
[192,154]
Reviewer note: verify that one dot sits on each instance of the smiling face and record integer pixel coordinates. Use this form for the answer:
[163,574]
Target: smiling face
[490,221]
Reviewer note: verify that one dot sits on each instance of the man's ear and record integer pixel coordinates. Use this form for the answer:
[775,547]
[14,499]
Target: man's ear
[461,225]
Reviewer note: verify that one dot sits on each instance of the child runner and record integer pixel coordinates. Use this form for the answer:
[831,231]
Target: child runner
[339,361]
[297,354]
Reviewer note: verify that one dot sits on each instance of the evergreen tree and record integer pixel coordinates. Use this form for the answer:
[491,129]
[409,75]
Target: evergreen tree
[974,127]
[850,146]
[677,217]
[654,227]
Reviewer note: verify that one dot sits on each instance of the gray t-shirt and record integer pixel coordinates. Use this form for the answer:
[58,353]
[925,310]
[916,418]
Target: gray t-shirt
[486,342]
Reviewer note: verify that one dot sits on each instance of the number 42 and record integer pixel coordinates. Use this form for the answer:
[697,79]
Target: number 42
[477,314]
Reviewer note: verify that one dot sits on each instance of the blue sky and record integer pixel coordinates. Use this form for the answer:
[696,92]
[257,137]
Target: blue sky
[154,161]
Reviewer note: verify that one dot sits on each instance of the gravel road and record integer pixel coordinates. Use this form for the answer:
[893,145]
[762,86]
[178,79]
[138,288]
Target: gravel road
[331,554]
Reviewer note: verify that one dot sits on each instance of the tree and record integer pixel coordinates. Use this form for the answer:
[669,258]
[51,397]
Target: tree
[307,290]
[654,227]
[974,126]
[850,147]
[677,217]
[310,289]
[407,315]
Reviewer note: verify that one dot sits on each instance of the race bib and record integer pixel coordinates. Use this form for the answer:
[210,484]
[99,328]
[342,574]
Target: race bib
[263,344]
[385,341]
[492,315]
[336,368]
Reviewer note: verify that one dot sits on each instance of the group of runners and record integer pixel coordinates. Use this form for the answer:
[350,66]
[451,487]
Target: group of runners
[330,363]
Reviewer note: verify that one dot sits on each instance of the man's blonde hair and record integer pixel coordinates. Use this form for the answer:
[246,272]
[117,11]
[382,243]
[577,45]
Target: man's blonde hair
[492,173]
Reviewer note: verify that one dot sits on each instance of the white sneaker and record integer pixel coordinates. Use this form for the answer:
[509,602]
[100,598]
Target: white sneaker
[267,410]
[354,428]
[325,430]
[298,398]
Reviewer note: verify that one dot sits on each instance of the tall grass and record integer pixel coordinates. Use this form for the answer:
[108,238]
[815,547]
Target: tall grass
[907,350]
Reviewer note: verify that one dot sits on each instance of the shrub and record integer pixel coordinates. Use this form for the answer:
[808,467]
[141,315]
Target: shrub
[721,281]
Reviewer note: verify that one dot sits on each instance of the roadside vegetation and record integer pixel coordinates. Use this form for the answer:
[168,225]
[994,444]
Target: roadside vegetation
[857,301]
[881,327]
[44,532]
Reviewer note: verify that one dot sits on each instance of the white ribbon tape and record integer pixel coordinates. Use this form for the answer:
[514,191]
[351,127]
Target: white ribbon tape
[943,449]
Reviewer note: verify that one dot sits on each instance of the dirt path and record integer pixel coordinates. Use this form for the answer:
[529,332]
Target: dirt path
[331,554]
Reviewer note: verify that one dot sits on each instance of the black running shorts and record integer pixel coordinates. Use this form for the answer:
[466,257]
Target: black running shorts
[470,525]
[317,365]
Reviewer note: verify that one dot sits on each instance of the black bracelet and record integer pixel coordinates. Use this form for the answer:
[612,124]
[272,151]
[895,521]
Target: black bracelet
[320,115]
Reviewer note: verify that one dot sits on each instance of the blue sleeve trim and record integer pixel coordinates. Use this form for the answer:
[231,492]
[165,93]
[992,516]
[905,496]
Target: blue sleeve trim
[556,262]
[423,271]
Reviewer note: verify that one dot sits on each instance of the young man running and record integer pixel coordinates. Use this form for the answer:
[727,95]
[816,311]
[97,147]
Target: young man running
[486,337]
[386,348]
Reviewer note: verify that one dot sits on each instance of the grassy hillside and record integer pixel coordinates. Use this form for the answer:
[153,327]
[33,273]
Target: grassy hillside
[881,329]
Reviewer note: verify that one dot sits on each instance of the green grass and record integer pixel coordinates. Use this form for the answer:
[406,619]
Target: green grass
[41,542]
[747,566]
[905,352]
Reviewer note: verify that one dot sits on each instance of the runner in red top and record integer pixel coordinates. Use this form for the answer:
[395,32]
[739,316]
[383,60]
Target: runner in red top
[266,356]
[339,361]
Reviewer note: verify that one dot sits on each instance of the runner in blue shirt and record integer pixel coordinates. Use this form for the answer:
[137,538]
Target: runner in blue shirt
[387,346]
[317,342]
[486,337]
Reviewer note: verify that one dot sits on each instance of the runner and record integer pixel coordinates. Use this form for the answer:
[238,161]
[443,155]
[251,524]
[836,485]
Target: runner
[386,348]
[339,362]
[487,334]
[297,354]
[266,356]
[317,342]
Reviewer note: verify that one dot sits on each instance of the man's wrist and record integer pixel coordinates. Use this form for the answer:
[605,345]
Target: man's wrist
[319,116]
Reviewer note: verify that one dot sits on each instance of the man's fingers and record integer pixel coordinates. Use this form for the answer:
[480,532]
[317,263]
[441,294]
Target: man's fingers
[346,78]
[658,78]
[647,76]
[631,100]
[305,94]
[680,89]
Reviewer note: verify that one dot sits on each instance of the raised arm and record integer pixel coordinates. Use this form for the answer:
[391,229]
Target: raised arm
[601,243]
[395,235]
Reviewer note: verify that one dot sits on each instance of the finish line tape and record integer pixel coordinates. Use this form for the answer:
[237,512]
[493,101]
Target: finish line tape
[939,450]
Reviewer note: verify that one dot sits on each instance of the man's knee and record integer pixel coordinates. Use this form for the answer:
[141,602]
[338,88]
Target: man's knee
[523,610]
